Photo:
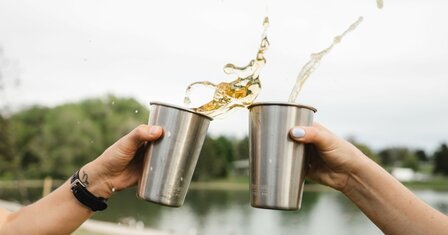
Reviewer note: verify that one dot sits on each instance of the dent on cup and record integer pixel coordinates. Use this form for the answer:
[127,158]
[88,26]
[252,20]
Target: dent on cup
[277,163]
[169,162]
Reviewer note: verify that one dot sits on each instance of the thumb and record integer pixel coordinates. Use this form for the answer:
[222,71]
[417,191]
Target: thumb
[132,141]
[316,134]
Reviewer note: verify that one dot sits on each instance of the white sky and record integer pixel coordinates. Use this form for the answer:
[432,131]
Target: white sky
[386,83]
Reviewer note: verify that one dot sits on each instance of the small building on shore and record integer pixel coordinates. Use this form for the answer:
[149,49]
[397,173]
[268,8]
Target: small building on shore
[408,175]
[241,167]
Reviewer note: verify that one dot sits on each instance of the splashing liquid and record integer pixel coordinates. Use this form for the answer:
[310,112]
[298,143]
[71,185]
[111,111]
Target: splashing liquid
[313,63]
[379,4]
[239,93]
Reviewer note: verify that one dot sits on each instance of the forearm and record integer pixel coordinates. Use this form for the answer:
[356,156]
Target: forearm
[390,205]
[58,213]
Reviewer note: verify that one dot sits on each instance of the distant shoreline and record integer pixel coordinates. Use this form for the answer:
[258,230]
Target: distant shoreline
[230,184]
[243,186]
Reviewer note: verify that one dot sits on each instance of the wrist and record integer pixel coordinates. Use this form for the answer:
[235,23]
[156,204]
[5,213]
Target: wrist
[359,164]
[357,186]
[96,181]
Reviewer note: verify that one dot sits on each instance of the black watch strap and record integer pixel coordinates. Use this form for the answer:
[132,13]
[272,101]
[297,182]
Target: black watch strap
[84,196]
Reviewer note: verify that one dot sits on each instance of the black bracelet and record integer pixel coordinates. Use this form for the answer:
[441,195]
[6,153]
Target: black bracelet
[84,196]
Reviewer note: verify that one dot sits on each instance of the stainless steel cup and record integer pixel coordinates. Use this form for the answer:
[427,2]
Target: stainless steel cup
[277,163]
[169,162]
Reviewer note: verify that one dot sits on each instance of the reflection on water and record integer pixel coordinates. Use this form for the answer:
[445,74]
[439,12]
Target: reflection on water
[437,200]
[229,213]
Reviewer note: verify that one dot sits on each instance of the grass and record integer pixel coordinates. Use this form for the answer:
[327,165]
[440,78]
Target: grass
[242,183]
[436,183]
[229,183]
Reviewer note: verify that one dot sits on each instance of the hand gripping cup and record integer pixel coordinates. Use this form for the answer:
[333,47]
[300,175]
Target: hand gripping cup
[169,162]
[277,163]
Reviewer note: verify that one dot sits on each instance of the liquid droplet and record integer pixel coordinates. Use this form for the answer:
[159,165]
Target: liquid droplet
[379,4]
[266,22]
[181,178]
[113,102]
[136,111]
[187,101]
[168,133]
[150,169]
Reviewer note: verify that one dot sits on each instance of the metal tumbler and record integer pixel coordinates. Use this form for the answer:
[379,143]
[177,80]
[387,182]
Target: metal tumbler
[169,162]
[277,163]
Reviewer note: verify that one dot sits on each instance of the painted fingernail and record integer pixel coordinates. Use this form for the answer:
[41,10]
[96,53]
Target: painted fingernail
[154,129]
[298,132]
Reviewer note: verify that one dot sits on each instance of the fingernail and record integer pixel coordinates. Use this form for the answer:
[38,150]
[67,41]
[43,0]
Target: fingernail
[154,129]
[298,132]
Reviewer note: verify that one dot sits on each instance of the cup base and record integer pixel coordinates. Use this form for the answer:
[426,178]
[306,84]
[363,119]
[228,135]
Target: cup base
[173,205]
[275,207]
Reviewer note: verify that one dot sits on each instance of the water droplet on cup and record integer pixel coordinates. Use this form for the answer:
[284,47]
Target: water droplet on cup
[168,134]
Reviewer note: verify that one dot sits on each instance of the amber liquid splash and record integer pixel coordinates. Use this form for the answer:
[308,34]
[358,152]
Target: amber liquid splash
[238,93]
[379,4]
[313,63]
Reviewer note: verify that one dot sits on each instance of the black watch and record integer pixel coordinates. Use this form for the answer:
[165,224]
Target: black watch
[83,195]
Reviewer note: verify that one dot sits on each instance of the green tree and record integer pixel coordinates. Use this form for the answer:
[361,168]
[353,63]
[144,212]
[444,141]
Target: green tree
[226,149]
[206,166]
[387,157]
[421,155]
[27,126]
[6,155]
[57,141]
[411,161]
[400,157]
[6,140]
[114,116]
[213,161]
[441,160]
[68,140]
[242,149]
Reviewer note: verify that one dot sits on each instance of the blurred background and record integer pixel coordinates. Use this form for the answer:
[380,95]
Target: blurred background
[77,75]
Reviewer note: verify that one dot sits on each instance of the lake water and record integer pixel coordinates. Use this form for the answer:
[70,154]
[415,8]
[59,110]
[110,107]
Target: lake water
[228,212]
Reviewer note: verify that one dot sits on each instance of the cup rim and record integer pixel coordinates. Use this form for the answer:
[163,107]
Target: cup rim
[180,108]
[283,104]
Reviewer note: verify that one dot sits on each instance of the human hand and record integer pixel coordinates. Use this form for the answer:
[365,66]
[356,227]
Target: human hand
[120,166]
[332,159]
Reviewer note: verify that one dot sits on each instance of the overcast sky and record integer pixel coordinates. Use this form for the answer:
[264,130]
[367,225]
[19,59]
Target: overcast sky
[386,83]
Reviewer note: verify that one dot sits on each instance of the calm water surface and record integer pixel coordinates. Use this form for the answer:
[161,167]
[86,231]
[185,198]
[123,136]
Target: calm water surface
[228,212]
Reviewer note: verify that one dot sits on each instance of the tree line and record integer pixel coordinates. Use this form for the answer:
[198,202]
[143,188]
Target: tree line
[41,141]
